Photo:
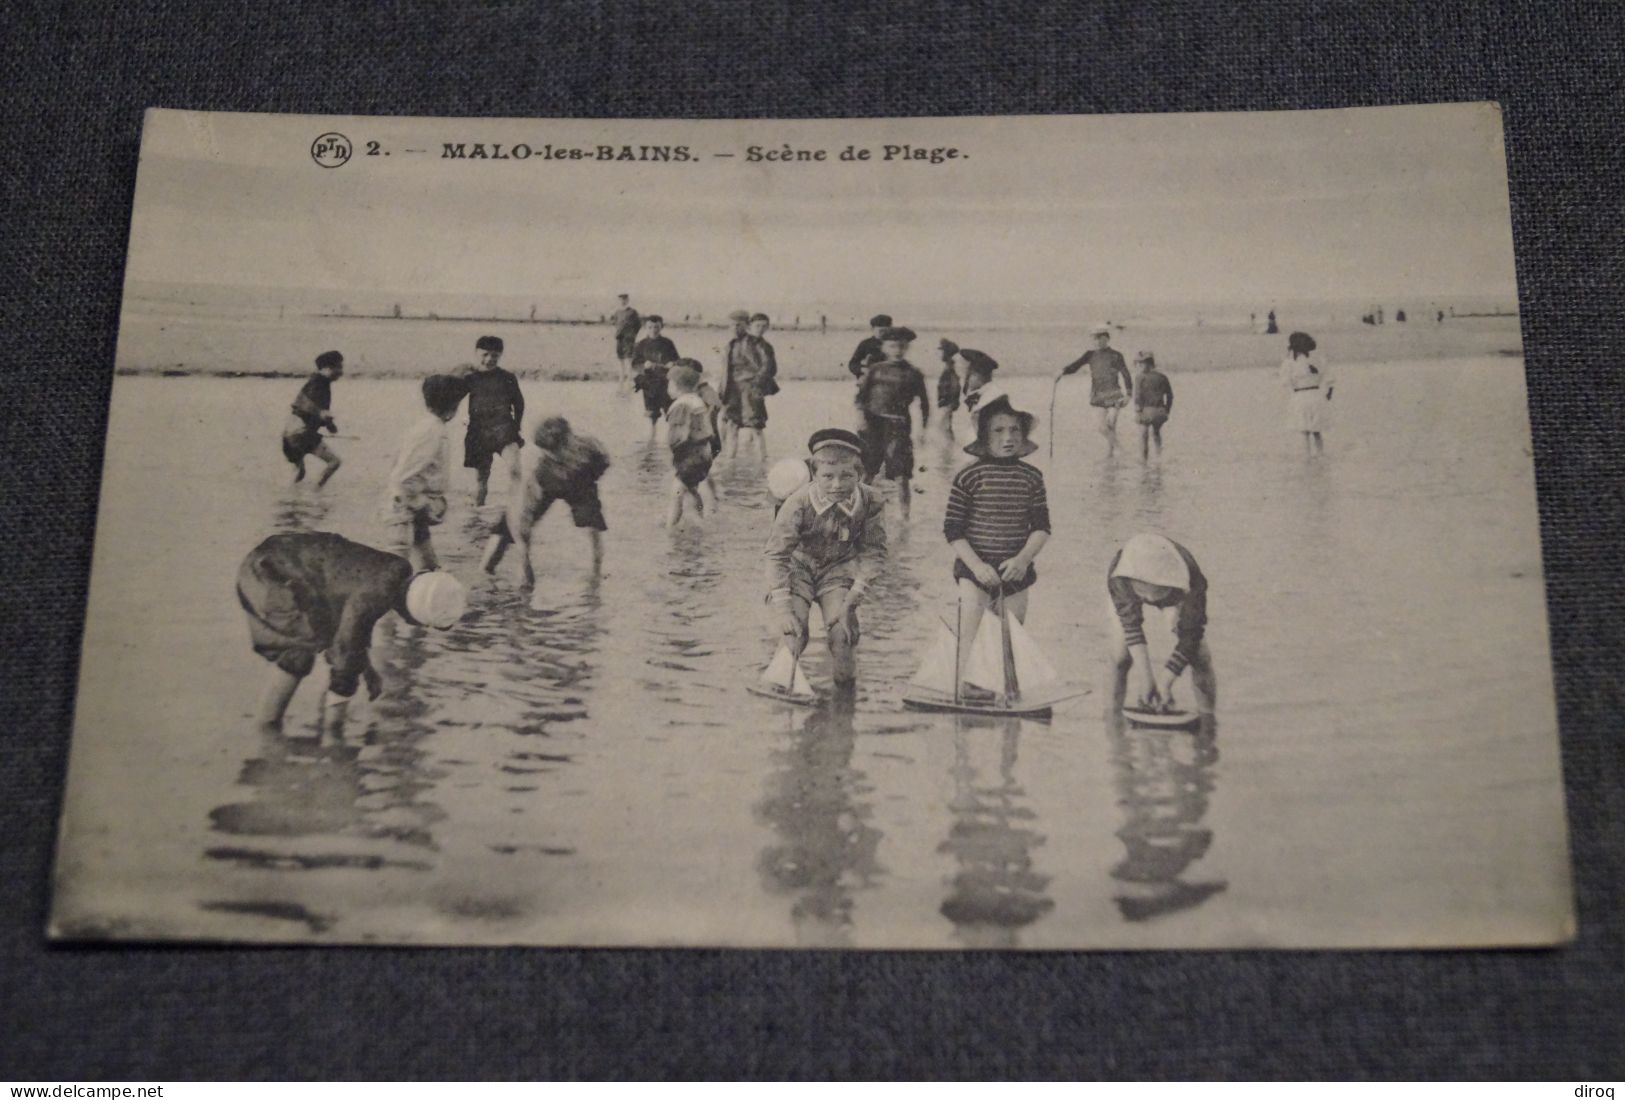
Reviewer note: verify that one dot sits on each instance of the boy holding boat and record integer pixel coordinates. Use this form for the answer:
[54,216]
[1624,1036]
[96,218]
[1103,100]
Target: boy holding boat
[1154,571]
[827,545]
[997,519]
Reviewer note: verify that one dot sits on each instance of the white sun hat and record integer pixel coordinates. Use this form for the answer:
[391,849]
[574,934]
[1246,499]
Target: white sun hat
[1155,560]
[436,599]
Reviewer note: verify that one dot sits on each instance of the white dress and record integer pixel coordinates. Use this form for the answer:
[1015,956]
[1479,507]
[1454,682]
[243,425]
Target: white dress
[1307,380]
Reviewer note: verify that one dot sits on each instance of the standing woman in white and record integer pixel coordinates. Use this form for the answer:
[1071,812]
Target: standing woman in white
[1310,386]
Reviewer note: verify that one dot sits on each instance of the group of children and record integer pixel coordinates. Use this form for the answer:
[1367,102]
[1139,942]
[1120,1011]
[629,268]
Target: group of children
[309,593]
[828,545]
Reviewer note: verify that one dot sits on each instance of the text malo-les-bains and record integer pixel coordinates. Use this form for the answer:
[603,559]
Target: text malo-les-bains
[480,150]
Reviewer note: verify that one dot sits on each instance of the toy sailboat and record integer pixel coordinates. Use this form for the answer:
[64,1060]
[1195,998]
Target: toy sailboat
[1005,673]
[784,680]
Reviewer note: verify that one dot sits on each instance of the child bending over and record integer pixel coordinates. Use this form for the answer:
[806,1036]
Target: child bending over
[568,467]
[827,546]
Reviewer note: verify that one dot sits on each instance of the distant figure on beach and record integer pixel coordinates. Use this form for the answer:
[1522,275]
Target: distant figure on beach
[567,468]
[626,323]
[827,546]
[302,436]
[1153,402]
[1109,382]
[689,434]
[496,410]
[727,430]
[885,395]
[948,385]
[651,357]
[1270,329]
[1310,391]
[997,521]
[1154,571]
[868,349]
[1440,319]
[979,368]
[752,378]
[416,498]
[313,592]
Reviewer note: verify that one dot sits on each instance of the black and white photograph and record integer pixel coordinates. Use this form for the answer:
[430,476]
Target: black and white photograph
[1037,533]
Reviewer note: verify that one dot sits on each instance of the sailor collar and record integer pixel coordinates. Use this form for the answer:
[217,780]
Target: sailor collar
[821,503]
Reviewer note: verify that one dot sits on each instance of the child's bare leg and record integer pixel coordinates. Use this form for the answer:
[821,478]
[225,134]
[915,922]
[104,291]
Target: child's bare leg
[1204,681]
[510,455]
[1156,435]
[1104,426]
[730,433]
[483,473]
[904,495]
[843,648]
[596,537]
[327,455]
[707,496]
[334,709]
[421,552]
[1320,447]
[1145,442]
[972,603]
[1016,605]
[275,697]
[674,511]
[496,546]
[299,471]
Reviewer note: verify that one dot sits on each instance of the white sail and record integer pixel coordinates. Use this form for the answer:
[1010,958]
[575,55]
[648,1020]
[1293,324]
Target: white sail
[781,670]
[1033,669]
[799,684]
[985,667]
[938,669]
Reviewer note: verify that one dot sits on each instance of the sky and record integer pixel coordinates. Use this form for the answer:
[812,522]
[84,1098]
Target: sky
[1385,203]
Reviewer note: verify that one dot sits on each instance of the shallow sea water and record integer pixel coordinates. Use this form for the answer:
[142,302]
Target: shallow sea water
[582,765]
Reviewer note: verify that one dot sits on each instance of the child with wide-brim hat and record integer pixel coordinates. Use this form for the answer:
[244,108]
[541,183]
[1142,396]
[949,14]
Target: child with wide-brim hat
[997,518]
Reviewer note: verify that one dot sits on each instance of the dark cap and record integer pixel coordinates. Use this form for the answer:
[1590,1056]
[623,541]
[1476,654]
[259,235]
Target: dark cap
[979,361]
[488,343]
[654,319]
[948,348]
[328,360]
[904,334]
[754,317]
[880,320]
[740,315]
[835,437]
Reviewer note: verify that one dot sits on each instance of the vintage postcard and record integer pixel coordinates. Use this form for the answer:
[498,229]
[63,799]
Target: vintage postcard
[1025,533]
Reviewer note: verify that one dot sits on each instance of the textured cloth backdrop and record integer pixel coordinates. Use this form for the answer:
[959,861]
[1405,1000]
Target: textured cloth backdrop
[75,78]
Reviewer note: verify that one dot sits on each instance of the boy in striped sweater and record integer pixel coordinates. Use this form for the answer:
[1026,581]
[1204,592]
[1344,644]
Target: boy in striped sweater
[998,517]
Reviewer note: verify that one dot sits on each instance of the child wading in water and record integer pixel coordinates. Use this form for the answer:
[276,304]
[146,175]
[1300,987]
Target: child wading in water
[416,498]
[1153,402]
[885,397]
[690,435]
[568,467]
[997,520]
[1153,571]
[948,386]
[1311,391]
[651,358]
[1109,382]
[302,436]
[827,546]
[496,409]
[314,592]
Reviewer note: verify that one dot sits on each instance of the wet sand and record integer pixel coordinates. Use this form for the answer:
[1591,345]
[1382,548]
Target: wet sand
[581,765]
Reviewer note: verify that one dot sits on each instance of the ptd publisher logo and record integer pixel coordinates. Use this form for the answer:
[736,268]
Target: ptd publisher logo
[330,150]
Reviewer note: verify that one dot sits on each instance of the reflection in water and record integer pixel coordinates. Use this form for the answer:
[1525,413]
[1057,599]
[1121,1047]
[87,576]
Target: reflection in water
[995,892]
[299,508]
[816,804]
[1163,780]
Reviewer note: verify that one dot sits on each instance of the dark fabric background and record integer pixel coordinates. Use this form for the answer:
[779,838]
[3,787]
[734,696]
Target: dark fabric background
[74,79]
